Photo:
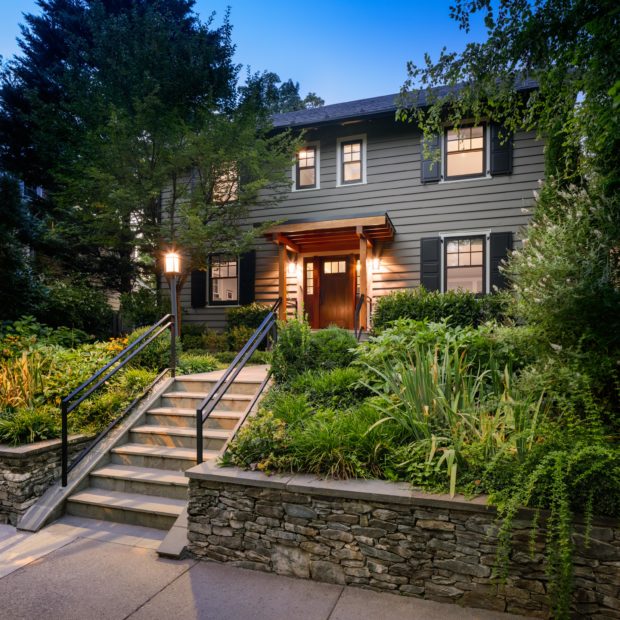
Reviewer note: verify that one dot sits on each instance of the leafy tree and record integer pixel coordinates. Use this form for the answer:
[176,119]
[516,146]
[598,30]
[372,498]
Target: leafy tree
[269,93]
[570,48]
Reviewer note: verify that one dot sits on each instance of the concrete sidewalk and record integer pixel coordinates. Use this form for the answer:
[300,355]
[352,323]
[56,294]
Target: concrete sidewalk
[85,569]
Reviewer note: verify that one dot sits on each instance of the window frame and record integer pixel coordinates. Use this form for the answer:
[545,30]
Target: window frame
[317,168]
[485,154]
[340,142]
[224,302]
[485,235]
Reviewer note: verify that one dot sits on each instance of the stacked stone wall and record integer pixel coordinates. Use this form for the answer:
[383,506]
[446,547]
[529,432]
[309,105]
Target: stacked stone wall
[407,543]
[26,472]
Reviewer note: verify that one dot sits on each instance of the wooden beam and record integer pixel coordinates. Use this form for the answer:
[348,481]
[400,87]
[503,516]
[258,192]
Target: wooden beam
[373,220]
[282,281]
[281,239]
[363,282]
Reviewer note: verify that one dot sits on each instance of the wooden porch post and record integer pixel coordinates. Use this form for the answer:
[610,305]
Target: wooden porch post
[363,279]
[282,281]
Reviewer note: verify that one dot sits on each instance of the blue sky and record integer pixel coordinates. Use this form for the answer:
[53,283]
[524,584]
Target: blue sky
[340,49]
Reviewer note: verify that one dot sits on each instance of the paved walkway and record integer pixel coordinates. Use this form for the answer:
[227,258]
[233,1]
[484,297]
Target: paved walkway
[91,570]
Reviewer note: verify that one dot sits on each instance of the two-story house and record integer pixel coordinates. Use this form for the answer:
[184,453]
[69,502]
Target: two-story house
[368,214]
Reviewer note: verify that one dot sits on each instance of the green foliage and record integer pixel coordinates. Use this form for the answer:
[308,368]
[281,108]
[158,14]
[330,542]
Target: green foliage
[156,355]
[215,342]
[291,355]
[258,357]
[191,363]
[565,278]
[76,305]
[332,348]
[339,388]
[29,425]
[457,308]
[251,315]
[142,307]
[238,336]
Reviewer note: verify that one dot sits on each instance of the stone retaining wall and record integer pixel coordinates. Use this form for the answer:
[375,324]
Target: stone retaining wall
[385,536]
[27,471]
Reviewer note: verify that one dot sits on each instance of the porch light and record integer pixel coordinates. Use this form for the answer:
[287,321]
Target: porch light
[376,263]
[358,267]
[172,264]
[292,268]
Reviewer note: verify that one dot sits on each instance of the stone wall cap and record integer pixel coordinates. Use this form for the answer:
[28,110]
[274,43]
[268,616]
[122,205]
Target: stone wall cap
[30,449]
[211,471]
[353,489]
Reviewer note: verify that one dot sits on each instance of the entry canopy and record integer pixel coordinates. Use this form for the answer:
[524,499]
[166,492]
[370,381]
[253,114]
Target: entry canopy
[311,235]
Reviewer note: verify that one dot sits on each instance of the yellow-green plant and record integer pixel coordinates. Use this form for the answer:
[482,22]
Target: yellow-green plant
[21,381]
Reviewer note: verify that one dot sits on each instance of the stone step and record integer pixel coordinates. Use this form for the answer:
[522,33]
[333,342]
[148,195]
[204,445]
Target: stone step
[140,480]
[194,383]
[186,418]
[158,457]
[191,400]
[177,437]
[145,510]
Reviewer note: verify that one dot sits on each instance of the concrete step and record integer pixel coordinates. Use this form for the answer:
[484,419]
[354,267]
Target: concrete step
[145,510]
[186,418]
[140,480]
[195,383]
[191,400]
[176,437]
[158,457]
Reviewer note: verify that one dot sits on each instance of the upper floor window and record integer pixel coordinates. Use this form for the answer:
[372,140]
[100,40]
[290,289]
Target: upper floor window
[351,158]
[306,168]
[223,280]
[226,185]
[464,264]
[464,152]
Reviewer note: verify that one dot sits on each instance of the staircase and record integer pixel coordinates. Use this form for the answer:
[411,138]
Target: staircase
[144,483]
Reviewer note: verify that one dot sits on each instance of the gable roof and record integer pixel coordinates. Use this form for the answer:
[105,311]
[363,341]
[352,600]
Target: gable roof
[364,108]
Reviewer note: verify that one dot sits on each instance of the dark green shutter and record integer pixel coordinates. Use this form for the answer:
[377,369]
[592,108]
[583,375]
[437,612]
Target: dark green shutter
[199,288]
[500,245]
[501,150]
[430,168]
[430,263]
[247,277]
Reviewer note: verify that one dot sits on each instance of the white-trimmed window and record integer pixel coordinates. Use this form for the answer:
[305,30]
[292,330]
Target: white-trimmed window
[465,152]
[465,263]
[223,280]
[307,168]
[351,160]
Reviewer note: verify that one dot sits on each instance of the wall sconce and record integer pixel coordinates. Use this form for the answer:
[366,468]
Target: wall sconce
[358,267]
[376,264]
[292,268]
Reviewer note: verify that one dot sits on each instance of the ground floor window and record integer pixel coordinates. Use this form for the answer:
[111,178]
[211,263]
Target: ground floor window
[223,280]
[464,262]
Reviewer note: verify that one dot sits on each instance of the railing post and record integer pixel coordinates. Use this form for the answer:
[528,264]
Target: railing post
[64,455]
[173,346]
[199,449]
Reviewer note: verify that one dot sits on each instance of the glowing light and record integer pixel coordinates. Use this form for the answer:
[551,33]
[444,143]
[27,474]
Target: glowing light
[172,263]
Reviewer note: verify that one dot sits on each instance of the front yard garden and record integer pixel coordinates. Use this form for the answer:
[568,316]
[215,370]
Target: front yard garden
[495,409]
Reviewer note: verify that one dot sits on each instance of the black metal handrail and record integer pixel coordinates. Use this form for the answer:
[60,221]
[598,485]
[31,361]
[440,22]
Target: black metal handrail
[357,328]
[211,401]
[95,382]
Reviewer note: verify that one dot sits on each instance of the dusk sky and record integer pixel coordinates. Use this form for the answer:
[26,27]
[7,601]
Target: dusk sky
[340,49]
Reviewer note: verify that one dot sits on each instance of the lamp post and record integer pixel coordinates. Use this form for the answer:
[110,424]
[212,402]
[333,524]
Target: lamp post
[172,268]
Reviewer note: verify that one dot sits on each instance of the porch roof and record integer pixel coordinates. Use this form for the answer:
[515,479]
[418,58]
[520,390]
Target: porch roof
[343,234]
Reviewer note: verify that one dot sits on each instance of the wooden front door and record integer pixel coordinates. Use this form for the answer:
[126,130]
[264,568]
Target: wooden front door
[336,291]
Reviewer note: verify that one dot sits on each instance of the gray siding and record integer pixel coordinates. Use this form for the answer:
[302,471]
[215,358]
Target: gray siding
[394,186]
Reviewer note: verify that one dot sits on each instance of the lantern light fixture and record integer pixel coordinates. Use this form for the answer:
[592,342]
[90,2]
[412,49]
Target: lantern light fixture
[172,264]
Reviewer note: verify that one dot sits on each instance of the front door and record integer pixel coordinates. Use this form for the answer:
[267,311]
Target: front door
[336,291]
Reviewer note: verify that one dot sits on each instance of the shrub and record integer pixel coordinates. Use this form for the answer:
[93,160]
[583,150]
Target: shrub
[238,336]
[29,425]
[339,388]
[332,348]
[215,342]
[142,307]
[258,357]
[78,306]
[156,355]
[291,355]
[189,364]
[192,336]
[250,316]
[457,308]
